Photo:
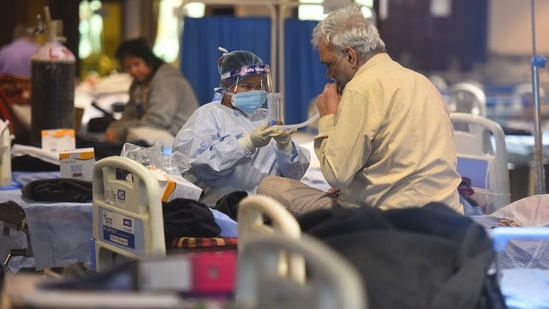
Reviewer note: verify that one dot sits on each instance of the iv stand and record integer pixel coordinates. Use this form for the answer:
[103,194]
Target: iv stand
[537,61]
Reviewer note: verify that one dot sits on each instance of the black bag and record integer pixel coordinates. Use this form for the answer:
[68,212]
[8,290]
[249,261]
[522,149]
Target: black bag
[429,257]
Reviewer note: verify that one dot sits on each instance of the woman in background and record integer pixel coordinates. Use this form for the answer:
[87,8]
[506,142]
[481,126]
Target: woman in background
[161,99]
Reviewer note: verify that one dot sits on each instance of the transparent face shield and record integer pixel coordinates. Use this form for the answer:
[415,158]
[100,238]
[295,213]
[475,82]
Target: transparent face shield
[248,78]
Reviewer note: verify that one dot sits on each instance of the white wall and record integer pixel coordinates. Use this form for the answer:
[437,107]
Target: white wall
[510,27]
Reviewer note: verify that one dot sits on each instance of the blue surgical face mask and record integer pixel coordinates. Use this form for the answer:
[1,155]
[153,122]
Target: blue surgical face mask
[249,101]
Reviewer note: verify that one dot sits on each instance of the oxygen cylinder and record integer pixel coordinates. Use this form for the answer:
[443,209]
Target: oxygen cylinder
[53,82]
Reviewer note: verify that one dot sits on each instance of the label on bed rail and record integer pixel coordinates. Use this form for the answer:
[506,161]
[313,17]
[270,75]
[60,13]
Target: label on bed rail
[121,231]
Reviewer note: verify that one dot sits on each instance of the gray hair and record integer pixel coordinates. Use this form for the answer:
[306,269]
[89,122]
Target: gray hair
[347,27]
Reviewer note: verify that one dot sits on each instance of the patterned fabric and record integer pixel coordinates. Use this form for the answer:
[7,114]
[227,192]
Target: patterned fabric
[465,189]
[199,242]
[508,222]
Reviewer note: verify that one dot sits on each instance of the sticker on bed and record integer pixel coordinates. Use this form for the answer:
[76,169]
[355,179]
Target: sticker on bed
[121,230]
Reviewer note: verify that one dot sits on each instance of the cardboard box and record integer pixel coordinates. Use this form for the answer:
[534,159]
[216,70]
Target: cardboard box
[77,164]
[175,186]
[59,140]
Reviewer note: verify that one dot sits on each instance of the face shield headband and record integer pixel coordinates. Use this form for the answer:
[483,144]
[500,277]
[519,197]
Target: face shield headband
[232,78]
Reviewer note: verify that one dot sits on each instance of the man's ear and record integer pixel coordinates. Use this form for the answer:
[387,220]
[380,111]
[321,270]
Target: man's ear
[352,56]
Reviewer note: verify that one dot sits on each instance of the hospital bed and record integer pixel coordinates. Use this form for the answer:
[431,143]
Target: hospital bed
[467,97]
[257,248]
[49,223]
[481,153]
[520,233]
[40,237]
[482,158]
[523,276]
[522,262]
[128,219]
[332,282]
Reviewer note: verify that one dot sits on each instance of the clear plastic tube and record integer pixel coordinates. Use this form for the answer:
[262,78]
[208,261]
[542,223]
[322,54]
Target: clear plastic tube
[275,107]
[300,125]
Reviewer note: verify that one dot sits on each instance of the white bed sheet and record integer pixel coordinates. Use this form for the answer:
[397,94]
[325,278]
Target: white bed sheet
[525,288]
[313,177]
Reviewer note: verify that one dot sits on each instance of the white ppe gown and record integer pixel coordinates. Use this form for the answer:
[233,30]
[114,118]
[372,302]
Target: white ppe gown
[218,162]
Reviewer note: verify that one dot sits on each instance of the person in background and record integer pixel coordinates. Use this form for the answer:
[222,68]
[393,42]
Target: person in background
[384,138]
[16,57]
[161,99]
[228,141]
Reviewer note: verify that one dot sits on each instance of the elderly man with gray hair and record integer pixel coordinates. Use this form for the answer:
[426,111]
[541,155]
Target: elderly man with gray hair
[385,138]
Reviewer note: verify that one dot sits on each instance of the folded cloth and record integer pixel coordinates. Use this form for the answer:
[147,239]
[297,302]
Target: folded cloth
[188,218]
[43,155]
[228,204]
[58,190]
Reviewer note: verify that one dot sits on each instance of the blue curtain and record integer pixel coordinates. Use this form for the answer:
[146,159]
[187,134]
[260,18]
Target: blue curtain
[305,76]
[202,37]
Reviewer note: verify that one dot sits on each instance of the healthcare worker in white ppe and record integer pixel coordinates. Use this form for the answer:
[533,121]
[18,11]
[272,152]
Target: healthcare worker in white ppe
[229,143]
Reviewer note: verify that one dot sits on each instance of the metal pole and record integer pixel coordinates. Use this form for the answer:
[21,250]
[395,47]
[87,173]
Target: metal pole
[537,61]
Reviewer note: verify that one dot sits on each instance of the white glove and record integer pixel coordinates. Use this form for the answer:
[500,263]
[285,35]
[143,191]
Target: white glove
[283,139]
[259,137]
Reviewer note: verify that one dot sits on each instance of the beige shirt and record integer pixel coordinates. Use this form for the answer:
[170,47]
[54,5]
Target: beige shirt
[391,143]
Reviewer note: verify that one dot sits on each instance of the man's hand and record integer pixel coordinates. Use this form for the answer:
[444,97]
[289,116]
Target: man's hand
[328,101]
[334,191]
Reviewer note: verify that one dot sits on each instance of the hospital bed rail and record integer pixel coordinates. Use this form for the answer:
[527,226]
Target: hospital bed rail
[127,212]
[128,218]
[482,157]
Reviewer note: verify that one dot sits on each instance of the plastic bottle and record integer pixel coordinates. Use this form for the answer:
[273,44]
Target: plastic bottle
[53,82]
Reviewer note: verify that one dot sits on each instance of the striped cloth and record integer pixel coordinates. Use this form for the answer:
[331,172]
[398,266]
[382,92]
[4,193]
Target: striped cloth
[203,242]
